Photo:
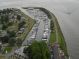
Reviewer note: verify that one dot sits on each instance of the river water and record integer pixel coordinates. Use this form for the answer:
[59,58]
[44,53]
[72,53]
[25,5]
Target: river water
[67,13]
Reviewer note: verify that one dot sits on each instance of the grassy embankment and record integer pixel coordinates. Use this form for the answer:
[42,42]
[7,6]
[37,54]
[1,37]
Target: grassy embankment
[61,39]
[29,24]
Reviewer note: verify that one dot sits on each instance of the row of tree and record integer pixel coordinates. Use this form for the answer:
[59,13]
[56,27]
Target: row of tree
[52,25]
[4,11]
[47,12]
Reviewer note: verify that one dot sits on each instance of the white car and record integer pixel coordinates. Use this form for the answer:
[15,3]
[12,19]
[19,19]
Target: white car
[33,36]
[44,38]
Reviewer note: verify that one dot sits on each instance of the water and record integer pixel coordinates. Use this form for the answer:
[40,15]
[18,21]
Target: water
[66,11]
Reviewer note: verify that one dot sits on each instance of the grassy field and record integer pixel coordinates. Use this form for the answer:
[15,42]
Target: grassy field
[8,49]
[52,37]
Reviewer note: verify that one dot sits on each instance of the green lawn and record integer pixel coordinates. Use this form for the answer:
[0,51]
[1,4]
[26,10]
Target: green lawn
[62,44]
[52,37]
[8,49]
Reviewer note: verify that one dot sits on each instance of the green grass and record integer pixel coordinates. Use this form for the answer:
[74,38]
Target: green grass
[52,37]
[8,49]
[62,43]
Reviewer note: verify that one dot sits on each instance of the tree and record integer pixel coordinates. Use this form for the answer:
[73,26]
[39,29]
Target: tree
[46,12]
[2,19]
[10,23]
[4,39]
[52,25]
[38,50]
[6,18]
[4,27]
[0,48]
[11,33]
[25,50]
[19,42]
[18,17]
[21,24]
[12,41]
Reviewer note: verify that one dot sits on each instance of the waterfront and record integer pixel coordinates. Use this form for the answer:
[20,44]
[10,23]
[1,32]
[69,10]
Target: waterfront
[67,14]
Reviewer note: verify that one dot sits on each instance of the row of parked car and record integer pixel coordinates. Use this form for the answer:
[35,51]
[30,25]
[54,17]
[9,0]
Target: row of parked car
[40,15]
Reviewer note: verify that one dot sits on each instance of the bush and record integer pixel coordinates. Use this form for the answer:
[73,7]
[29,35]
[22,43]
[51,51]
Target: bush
[21,24]
[12,41]
[4,27]
[4,39]
[19,42]
[11,33]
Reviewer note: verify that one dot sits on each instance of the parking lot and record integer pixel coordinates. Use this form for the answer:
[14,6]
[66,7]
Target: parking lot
[41,30]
